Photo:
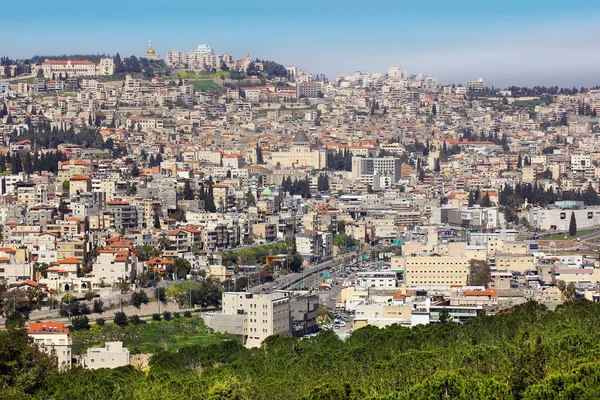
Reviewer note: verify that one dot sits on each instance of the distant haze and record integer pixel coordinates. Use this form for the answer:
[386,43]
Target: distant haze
[506,42]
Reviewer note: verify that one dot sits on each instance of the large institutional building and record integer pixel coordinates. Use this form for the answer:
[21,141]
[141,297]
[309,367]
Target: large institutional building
[77,68]
[300,155]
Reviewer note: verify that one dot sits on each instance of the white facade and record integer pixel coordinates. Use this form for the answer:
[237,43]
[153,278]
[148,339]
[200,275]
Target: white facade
[264,314]
[53,338]
[112,355]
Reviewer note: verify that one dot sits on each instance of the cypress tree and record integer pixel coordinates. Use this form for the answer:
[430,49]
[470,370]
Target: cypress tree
[573,225]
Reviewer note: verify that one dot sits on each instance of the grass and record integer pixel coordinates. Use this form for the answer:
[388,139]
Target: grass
[569,237]
[209,86]
[151,337]
[202,75]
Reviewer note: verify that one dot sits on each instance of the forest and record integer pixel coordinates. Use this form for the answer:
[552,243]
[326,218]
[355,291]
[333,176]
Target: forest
[527,353]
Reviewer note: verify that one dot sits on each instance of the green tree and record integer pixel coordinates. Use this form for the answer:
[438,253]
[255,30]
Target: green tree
[120,319]
[80,323]
[188,192]
[250,200]
[139,298]
[573,225]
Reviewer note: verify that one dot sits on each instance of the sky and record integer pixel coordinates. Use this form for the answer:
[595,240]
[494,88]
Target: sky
[505,42]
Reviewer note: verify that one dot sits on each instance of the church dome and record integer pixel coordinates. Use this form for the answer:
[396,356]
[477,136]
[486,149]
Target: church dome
[267,192]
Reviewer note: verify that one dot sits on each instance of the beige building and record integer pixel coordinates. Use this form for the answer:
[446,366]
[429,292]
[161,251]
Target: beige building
[515,262]
[429,271]
[264,314]
[300,155]
[79,184]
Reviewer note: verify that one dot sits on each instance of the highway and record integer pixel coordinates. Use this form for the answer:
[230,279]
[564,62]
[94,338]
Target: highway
[309,276]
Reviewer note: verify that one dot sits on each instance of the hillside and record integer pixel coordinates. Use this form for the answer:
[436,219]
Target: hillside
[531,353]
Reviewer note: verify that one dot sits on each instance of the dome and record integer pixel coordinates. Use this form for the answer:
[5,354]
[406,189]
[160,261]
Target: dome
[267,192]
[150,51]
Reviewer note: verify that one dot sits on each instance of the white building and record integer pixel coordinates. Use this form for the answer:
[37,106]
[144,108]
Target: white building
[53,338]
[112,355]
[376,279]
[397,72]
[264,314]
[476,86]
[173,58]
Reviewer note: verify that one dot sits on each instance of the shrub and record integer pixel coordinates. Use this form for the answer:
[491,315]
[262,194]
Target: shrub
[176,315]
[98,304]
[84,309]
[100,321]
[167,316]
[156,317]
[187,314]
[136,320]
[80,323]
[120,319]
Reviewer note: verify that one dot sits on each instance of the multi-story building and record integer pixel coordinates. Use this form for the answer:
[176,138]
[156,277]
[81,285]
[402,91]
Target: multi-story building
[173,58]
[397,72]
[367,170]
[432,271]
[263,314]
[476,86]
[309,89]
[54,339]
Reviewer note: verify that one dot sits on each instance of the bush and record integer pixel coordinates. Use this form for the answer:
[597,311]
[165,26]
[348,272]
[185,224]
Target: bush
[120,319]
[80,323]
[167,316]
[136,320]
[187,314]
[84,309]
[98,304]
[139,298]
[176,315]
[89,295]
[100,321]
[156,317]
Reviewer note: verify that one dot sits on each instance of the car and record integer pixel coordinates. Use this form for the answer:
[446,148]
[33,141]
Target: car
[332,299]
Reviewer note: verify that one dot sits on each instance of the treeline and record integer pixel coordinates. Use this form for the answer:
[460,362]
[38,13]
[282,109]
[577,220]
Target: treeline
[90,57]
[530,353]
[340,160]
[45,162]
[273,68]
[297,187]
[45,136]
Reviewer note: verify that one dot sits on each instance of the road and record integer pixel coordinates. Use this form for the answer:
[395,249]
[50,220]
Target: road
[310,276]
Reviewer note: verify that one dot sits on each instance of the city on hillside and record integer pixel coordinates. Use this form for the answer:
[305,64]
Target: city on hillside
[150,202]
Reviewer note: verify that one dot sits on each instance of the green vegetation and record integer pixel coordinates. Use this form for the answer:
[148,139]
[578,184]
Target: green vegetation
[150,337]
[566,236]
[209,86]
[202,75]
[204,293]
[531,353]
[255,255]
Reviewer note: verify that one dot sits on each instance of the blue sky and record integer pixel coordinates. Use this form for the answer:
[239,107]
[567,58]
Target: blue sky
[527,42]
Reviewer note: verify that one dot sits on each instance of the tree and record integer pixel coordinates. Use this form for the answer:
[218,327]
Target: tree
[434,110]
[479,273]
[139,298]
[250,200]
[97,306]
[156,221]
[437,167]
[444,316]
[259,155]
[209,202]
[573,225]
[80,323]
[188,192]
[160,294]
[120,319]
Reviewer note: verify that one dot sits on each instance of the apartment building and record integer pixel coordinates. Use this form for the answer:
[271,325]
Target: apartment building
[367,170]
[264,314]
[54,339]
[432,271]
